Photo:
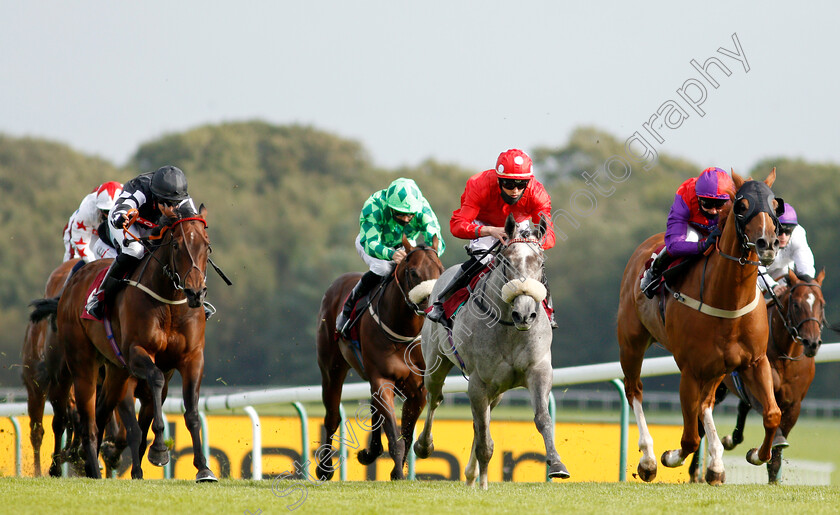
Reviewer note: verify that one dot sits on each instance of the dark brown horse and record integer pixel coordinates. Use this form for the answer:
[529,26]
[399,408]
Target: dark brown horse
[725,331]
[391,358]
[795,337]
[158,327]
[38,339]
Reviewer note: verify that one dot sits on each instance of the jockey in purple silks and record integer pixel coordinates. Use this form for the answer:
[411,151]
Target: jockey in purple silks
[794,254]
[692,222]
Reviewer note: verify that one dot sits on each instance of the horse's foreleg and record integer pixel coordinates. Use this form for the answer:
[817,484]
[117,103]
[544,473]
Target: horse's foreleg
[412,406]
[191,377]
[85,390]
[383,407]
[433,379]
[483,444]
[759,380]
[539,387]
[132,433]
[35,408]
[143,367]
[715,473]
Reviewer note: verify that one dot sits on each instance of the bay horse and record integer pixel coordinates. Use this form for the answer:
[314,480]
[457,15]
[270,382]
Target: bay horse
[40,337]
[158,327]
[795,337]
[389,357]
[501,339]
[722,333]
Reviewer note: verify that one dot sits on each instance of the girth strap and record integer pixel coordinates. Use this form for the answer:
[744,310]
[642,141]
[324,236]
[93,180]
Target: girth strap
[155,295]
[716,312]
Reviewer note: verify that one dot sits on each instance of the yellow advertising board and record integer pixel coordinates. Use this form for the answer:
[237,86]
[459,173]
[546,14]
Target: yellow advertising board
[589,450]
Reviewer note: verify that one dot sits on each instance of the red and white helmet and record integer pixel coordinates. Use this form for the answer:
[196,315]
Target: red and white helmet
[106,194]
[514,164]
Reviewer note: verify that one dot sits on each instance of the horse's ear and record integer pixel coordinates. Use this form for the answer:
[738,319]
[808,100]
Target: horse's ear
[202,211]
[792,279]
[435,242]
[737,179]
[510,227]
[771,178]
[820,276]
[542,228]
[406,244]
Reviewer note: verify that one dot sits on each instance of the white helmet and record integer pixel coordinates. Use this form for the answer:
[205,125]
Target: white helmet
[106,194]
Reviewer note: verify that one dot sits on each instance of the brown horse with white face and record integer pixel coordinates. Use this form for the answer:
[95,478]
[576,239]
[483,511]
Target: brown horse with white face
[158,327]
[726,330]
[389,356]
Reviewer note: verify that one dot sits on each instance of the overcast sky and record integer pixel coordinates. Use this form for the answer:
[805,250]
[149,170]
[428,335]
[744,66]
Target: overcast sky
[456,81]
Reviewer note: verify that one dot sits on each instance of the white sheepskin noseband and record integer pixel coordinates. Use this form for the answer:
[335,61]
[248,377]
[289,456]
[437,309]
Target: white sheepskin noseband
[530,287]
[422,291]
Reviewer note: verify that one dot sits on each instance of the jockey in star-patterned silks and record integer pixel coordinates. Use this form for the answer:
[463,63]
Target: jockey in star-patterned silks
[80,233]
[386,216]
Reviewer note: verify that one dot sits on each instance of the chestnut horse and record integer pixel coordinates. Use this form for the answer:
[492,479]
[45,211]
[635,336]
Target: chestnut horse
[391,359]
[708,338]
[158,327]
[38,338]
[795,337]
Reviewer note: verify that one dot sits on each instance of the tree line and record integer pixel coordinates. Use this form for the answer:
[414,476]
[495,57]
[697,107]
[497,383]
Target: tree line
[284,205]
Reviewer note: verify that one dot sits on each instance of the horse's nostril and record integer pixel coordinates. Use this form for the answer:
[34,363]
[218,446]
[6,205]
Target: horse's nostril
[761,244]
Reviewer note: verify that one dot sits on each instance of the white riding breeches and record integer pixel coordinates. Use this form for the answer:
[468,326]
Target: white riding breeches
[378,266]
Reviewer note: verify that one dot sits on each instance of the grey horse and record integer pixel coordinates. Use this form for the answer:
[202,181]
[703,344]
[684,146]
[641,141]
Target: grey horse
[501,338]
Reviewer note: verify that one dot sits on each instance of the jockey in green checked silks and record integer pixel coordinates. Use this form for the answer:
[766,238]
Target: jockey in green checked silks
[386,216]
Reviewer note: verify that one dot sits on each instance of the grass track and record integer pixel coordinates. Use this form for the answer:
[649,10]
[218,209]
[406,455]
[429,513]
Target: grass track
[24,495]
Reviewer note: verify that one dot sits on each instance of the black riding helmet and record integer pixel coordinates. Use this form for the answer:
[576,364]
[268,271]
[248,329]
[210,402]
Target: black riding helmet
[170,183]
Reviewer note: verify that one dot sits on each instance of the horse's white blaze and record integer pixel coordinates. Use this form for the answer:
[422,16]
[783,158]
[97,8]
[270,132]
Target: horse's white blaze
[516,287]
[810,300]
[422,291]
[645,440]
[715,446]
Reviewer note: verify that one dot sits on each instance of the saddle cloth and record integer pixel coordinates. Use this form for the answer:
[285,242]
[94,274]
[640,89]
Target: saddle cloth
[94,286]
[669,273]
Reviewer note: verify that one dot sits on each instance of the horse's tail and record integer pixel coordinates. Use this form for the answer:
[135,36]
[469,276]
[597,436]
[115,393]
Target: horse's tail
[43,308]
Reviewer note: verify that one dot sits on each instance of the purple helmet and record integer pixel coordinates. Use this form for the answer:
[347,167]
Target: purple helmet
[789,216]
[714,183]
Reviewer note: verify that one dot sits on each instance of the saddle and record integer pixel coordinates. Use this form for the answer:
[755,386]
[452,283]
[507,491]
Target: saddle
[674,270]
[360,307]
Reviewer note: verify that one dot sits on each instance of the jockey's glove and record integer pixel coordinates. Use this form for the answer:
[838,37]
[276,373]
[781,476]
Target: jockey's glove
[702,246]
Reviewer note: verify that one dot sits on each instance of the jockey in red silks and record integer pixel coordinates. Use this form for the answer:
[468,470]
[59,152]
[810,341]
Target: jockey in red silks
[81,238]
[692,222]
[488,199]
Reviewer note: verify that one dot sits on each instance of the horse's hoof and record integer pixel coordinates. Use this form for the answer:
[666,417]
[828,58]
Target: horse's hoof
[137,475]
[423,451]
[752,457]
[728,442]
[397,475]
[558,470]
[780,442]
[715,478]
[55,471]
[205,476]
[325,473]
[366,457]
[672,458]
[158,458]
[646,474]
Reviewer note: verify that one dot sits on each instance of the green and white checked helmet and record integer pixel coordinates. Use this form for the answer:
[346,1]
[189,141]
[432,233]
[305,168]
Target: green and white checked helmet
[404,196]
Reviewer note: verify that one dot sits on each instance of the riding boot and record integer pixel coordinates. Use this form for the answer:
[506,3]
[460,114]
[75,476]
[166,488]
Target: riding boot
[651,278]
[462,278]
[549,303]
[110,284]
[365,284]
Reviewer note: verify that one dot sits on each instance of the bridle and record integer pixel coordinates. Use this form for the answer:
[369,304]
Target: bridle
[787,318]
[416,308]
[758,196]
[170,269]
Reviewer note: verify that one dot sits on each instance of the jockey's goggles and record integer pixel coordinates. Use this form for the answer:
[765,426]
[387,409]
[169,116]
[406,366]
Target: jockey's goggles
[513,184]
[787,229]
[711,203]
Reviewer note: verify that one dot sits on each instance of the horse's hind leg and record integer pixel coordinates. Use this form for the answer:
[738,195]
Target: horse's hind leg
[539,386]
[35,407]
[412,406]
[333,372]
[759,380]
[132,433]
[731,441]
[632,352]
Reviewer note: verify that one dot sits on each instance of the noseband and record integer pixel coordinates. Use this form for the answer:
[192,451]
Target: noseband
[170,270]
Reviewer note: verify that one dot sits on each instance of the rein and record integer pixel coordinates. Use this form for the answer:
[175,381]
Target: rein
[793,330]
